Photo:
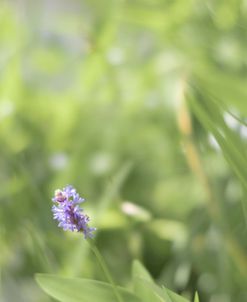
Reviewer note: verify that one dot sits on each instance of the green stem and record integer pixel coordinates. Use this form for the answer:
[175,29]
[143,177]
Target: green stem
[105,269]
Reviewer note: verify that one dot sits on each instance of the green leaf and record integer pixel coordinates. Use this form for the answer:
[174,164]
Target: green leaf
[196,298]
[211,118]
[139,271]
[147,290]
[144,286]
[170,296]
[80,290]
[226,89]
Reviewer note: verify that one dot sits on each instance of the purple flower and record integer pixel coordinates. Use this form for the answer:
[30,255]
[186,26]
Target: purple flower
[68,213]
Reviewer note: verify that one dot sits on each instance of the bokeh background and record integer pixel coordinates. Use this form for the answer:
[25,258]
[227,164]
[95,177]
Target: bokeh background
[141,105]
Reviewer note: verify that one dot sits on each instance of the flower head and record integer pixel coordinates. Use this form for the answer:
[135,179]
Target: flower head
[68,213]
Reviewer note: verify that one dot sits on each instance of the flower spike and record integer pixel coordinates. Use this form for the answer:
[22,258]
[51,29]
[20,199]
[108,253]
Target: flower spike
[67,212]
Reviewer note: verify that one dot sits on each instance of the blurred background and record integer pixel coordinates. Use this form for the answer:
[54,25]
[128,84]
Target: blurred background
[141,105]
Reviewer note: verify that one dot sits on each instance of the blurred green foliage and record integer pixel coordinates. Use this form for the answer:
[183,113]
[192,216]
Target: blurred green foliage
[141,105]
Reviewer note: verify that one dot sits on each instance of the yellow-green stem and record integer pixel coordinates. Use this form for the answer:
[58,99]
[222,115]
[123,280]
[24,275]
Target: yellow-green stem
[105,269]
